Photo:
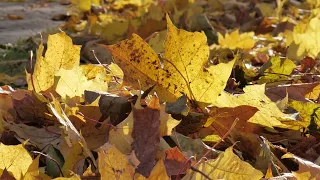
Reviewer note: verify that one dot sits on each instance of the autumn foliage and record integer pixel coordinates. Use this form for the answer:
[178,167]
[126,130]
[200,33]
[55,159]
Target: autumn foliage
[234,101]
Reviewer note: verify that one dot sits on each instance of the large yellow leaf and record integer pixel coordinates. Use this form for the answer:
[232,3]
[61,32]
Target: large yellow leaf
[61,53]
[74,82]
[226,166]
[113,164]
[185,58]
[269,114]
[16,159]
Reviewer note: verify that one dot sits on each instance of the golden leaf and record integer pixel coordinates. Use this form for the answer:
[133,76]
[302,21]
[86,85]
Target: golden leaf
[226,166]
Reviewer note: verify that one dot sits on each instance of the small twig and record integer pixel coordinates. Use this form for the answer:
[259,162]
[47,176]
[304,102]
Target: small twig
[48,130]
[96,121]
[152,35]
[95,56]
[216,144]
[46,155]
[183,167]
[105,66]
[197,170]
[31,70]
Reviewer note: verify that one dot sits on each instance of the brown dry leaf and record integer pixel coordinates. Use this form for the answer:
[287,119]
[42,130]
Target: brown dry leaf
[175,162]
[295,91]
[14,17]
[38,137]
[223,118]
[5,175]
[31,106]
[146,136]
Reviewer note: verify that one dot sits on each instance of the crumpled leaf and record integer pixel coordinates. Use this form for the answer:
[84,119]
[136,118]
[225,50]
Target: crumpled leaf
[307,169]
[39,137]
[71,135]
[113,164]
[268,115]
[235,40]
[185,58]
[61,53]
[16,159]
[226,166]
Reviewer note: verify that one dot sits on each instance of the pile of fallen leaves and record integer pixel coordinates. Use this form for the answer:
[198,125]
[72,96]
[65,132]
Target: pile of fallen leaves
[234,97]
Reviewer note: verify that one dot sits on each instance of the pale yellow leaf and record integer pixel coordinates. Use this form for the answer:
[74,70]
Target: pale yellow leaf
[16,159]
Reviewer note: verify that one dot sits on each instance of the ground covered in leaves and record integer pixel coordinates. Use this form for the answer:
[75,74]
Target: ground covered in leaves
[169,89]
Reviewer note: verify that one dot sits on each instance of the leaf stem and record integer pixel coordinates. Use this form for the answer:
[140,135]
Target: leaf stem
[216,144]
[46,155]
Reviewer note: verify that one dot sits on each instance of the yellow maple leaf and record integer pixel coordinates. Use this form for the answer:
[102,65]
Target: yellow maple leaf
[309,113]
[61,53]
[304,40]
[16,159]
[276,70]
[235,40]
[74,82]
[314,94]
[269,114]
[226,166]
[113,164]
[185,58]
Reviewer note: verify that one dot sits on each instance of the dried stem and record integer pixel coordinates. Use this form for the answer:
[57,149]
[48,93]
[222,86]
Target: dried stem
[47,156]
[183,167]
[31,70]
[216,144]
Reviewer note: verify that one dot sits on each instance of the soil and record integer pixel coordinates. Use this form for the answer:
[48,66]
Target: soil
[36,16]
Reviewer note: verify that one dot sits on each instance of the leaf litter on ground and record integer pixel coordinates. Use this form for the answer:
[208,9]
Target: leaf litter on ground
[230,94]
